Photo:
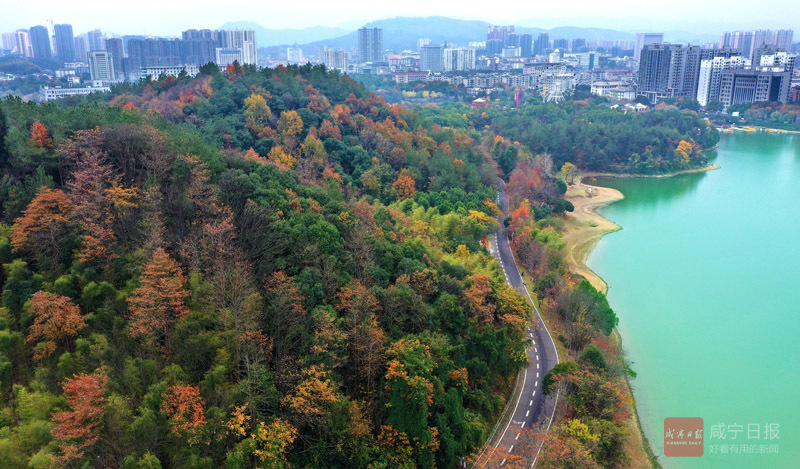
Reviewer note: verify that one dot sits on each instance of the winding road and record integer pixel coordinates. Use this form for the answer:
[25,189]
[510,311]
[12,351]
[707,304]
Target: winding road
[532,408]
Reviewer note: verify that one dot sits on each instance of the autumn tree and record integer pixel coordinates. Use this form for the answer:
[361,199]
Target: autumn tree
[365,336]
[159,300]
[258,113]
[40,137]
[405,185]
[280,158]
[78,428]
[290,125]
[56,319]
[285,318]
[478,299]
[568,171]
[684,151]
[43,225]
[184,407]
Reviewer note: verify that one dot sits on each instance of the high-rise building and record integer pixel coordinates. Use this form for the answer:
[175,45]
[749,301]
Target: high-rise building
[370,45]
[115,48]
[578,45]
[643,39]
[244,39]
[783,39]
[561,44]
[40,40]
[81,47]
[9,42]
[336,59]
[95,40]
[423,41]
[526,45]
[431,58]
[459,59]
[101,66]
[294,55]
[65,42]
[500,33]
[749,41]
[710,79]
[23,41]
[494,46]
[670,71]
[752,86]
[542,44]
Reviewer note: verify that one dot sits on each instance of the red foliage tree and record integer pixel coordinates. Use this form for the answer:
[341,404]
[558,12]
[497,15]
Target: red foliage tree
[184,407]
[56,318]
[159,300]
[405,185]
[478,299]
[79,427]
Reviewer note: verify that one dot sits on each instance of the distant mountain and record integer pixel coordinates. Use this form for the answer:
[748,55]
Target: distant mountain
[273,37]
[401,33]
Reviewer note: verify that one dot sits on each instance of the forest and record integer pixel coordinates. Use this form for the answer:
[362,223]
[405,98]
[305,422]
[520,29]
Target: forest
[276,268]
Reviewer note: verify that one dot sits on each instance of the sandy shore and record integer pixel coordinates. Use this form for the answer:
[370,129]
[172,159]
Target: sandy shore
[584,227]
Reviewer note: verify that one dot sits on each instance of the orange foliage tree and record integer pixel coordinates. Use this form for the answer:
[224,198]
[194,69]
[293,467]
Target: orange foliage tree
[56,319]
[43,224]
[78,428]
[40,137]
[405,185]
[158,301]
[184,407]
[478,298]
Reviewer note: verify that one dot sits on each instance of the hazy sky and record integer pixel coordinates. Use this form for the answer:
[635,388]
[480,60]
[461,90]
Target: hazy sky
[165,17]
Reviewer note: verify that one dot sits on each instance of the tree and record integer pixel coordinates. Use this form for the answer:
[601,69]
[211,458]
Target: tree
[404,185]
[159,301]
[43,224]
[258,113]
[478,299]
[56,319]
[568,170]
[365,336]
[3,132]
[281,158]
[184,407]
[715,106]
[40,136]
[78,428]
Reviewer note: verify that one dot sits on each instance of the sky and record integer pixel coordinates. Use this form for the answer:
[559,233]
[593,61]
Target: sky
[169,18]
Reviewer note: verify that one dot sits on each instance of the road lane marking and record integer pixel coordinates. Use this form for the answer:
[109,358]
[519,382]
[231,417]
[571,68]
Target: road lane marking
[527,413]
[503,462]
[523,425]
[537,374]
[536,349]
[530,403]
[534,394]
[537,383]
[511,449]
[517,437]
[537,365]
[537,357]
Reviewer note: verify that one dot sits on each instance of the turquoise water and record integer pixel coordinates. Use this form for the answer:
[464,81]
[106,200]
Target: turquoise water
[705,278]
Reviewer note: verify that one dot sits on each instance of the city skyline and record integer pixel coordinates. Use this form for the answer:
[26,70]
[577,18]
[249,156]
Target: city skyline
[172,17]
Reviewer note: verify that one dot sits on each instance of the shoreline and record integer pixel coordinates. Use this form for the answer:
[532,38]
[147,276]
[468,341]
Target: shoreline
[755,128]
[584,228]
[591,174]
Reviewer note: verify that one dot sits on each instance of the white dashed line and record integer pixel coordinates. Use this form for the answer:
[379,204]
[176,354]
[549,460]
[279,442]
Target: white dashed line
[523,425]
[537,383]
[511,449]
[537,365]
[537,374]
[517,437]
[536,349]
[537,357]
[530,403]
[503,462]
[527,413]
[534,393]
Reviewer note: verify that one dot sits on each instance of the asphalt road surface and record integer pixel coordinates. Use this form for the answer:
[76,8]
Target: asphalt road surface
[532,408]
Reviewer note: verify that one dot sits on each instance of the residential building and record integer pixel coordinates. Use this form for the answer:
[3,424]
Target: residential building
[40,41]
[336,59]
[459,59]
[526,45]
[578,45]
[644,39]
[409,76]
[370,45]
[243,39]
[431,58]
[541,44]
[101,66]
[562,44]
[9,42]
[115,48]
[81,47]
[710,78]
[65,42]
[423,41]
[95,40]
[499,33]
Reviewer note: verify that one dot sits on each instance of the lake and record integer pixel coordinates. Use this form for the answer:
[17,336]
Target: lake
[705,278]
